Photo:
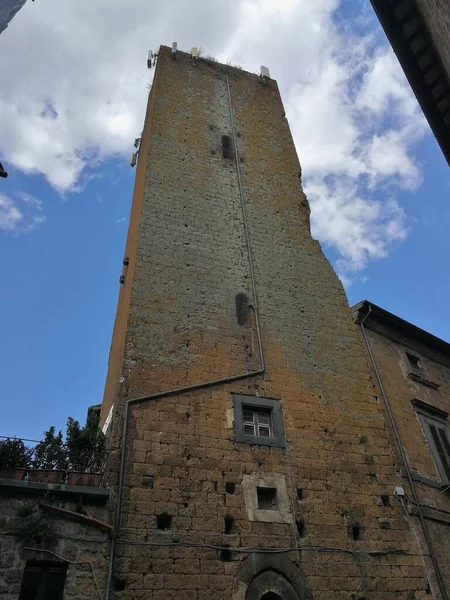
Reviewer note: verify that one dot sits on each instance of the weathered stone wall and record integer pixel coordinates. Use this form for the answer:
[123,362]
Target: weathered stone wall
[182,329]
[437,17]
[74,541]
[390,347]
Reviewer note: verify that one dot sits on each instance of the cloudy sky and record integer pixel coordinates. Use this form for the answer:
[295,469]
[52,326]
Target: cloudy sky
[73,93]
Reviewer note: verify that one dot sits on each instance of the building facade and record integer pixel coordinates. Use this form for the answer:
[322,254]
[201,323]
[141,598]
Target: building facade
[54,520]
[413,371]
[419,32]
[54,541]
[251,457]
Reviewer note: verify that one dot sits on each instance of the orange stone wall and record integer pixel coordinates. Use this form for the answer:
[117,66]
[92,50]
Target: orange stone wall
[177,326]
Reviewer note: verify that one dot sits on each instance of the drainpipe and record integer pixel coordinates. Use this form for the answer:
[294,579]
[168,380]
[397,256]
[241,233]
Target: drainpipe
[190,388]
[387,403]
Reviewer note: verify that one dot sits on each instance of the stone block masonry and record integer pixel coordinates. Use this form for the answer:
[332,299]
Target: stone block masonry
[436,14]
[185,532]
[80,545]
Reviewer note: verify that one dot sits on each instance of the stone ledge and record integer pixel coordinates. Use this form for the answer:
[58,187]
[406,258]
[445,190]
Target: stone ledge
[10,486]
[423,381]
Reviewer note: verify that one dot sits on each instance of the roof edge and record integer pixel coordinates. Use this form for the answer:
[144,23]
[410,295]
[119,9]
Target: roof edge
[365,311]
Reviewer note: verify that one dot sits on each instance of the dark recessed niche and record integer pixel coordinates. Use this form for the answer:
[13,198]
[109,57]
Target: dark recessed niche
[148,481]
[118,583]
[301,527]
[226,146]
[299,493]
[230,488]
[385,500]
[355,532]
[242,308]
[228,524]
[226,555]
[164,521]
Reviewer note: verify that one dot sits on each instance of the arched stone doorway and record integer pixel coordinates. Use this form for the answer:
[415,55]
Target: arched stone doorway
[271,585]
[270,576]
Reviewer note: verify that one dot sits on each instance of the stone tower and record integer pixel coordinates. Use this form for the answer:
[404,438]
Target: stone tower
[251,459]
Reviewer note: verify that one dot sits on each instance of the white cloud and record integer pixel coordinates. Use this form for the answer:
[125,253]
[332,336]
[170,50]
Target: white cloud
[74,92]
[359,228]
[30,200]
[18,219]
[122,220]
[10,215]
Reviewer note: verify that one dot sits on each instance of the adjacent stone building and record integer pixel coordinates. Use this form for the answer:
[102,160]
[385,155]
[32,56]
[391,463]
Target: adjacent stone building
[252,455]
[419,31]
[413,371]
[54,535]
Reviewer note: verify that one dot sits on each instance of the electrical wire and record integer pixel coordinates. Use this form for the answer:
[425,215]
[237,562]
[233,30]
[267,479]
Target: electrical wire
[269,550]
[72,562]
[412,501]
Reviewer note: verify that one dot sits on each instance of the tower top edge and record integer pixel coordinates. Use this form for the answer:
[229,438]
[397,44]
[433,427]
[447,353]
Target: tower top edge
[209,61]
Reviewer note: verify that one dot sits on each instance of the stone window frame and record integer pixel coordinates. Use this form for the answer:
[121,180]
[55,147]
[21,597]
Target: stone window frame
[416,372]
[431,416]
[282,512]
[254,402]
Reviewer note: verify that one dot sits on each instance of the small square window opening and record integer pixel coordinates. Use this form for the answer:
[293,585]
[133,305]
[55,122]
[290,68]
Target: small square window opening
[257,422]
[414,364]
[267,498]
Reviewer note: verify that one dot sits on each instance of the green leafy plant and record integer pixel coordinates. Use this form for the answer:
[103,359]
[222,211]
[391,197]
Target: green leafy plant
[14,454]
[84,449]
[50,453]
[33,522]
[86,446]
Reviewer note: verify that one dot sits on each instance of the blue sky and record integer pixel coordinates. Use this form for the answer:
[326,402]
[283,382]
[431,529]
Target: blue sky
[377,181]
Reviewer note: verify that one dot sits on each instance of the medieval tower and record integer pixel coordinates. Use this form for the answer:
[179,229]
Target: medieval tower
[251,459]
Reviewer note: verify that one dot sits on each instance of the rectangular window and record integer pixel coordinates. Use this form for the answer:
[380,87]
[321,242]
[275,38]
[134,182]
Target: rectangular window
[43,580]
[441,444]
[435,426]
[267,498]
[414,364]
[258,421]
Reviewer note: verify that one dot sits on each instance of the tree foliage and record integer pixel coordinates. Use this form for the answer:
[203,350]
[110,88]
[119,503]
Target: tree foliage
[83,448]
[14,454]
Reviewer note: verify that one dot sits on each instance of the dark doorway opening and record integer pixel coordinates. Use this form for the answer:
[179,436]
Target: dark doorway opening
[271,596]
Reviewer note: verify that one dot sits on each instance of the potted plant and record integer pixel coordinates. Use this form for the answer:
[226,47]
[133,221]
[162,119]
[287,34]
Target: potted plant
[50,459]
[86,452]
[15,459]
